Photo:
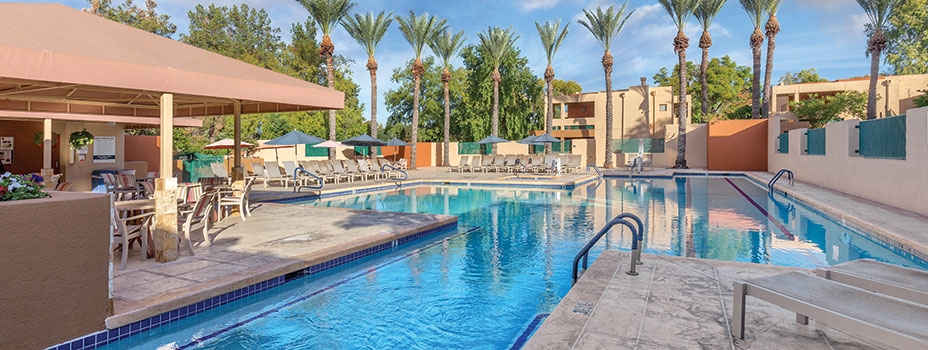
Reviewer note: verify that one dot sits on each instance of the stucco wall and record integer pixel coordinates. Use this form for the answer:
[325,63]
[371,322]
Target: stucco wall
[737,145]
[896,182]
[78,173]
[696,139]
[144,148]
[55,269]
[27,155]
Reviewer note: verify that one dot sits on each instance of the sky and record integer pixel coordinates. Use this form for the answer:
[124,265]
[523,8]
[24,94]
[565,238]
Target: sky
[823,34]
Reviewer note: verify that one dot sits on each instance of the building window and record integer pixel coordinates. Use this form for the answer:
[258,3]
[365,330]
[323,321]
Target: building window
[663,107]
[584,109]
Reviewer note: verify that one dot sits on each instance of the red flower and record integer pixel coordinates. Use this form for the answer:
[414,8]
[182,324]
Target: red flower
[2,189]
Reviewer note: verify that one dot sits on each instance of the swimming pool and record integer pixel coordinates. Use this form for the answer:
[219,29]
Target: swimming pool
[487,284]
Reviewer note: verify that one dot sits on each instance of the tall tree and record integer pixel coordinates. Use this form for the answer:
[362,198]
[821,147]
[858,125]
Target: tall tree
[757,11]
[705,14]
[605,27]
[803,76]
[562,88]
[729,86]
[327,14]
[368,30]
[146,19]
[772,28]
[496,42]
[418,31]
[907,38]
[878,11]
[447,45]
[551,36]
[680,11]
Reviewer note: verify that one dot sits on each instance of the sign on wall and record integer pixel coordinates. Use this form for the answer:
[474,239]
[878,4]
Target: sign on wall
[6,157]
[6,143]
[104,149]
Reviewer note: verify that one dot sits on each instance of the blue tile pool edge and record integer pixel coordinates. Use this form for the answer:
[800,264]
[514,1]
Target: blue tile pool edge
[108,336]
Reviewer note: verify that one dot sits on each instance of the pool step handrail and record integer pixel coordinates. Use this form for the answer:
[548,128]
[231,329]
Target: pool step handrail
[636,246]
[297,188]
[598,172]
[405,175]
[524,168]
[773,181]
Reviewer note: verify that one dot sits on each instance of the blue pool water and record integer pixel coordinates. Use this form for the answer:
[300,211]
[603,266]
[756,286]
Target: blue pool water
[487,284]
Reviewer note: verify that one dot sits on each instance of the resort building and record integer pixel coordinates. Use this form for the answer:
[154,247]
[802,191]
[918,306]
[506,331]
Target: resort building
[896,92]
[639,112]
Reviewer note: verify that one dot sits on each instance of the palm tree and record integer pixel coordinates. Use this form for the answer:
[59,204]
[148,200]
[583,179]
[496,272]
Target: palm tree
[772,28]
[418,31]
[368,30]
[327,14]
[447,46]
[878,11]
[680,11]
[757,11]
[496,42]
[705,13]
[605,26]
[551,37]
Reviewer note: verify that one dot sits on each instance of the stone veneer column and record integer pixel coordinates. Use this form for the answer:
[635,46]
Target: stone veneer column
[238,172]
[164,228]
[47,170]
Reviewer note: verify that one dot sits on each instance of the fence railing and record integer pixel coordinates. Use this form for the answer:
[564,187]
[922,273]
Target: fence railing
[563,147]
[783,145]
[651,145]
[474,148]
[316,151]
[882,138]
[815,141]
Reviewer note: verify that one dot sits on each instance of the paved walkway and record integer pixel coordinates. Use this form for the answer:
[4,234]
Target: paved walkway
[674,303]
[275,240]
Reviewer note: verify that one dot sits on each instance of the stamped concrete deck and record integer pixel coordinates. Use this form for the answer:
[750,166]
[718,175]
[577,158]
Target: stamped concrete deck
[275,240]
[674,303]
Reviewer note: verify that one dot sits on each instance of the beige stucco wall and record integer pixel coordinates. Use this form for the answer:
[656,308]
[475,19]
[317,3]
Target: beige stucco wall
[54,267]
[78,173]
[696,141]
[896,182]
[894,93]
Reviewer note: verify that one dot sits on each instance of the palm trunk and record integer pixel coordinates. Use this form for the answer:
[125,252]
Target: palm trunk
[703,73]
[875,47]
[757,39]
[607,68]
[330,77]
[773,27]
[447,153]
[682,114]
[415,121]
[373,99]
[549,120]
[495,120]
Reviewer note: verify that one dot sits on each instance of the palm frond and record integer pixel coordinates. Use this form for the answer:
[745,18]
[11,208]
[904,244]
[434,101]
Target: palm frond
[446,45]
[773,6]
[878,11]
[418,31]
[757,11]
[497,42]
[368,30]
[707,11]
[680,10]
[605,25]
[327,13]
[551,36]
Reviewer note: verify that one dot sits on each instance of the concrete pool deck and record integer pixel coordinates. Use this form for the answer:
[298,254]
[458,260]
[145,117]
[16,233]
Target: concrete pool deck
[674,303]
[277,239]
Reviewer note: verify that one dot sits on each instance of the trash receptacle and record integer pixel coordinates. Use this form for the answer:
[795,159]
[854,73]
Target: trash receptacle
[96,181]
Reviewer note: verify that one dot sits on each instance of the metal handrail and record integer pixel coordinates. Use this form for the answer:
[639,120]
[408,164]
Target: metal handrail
[636,253]
[524,168]
[298,188]
[598,172]
[777,177]
[584,253]
[405,175]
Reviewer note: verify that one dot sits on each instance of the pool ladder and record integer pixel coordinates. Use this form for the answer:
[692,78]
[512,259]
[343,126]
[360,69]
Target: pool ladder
[773,181]
[596,168]
[405,175]
[524,168]
[296,173]
[637,238]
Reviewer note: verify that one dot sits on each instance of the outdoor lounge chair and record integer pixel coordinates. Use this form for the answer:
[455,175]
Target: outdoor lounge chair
[509,164]
[237,199]
[462,164]
[367,170]
[199,213]
[355,169]
[545,167]
[219,170]
[126,229]
[497,163]
[325,168]
[298,178]
[475,164]
[340,170]
[893,280]
[891,321]
[273,174]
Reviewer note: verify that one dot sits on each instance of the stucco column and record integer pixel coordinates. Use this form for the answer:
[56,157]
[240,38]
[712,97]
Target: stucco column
[164,229]
[238,173]
[47,170]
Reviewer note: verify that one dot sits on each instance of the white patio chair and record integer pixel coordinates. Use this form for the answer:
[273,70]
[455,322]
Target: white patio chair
[123,231]
[237,199]
[199,213]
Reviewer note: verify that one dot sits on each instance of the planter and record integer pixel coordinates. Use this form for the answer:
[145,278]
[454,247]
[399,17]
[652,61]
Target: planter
[55,268]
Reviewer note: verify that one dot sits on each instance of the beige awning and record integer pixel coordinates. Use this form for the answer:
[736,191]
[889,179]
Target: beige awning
[57,59]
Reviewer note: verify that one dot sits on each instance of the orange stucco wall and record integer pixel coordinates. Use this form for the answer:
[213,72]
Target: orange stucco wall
[27,155]
[737,145]
[423,153]
[144,148]
[54,266]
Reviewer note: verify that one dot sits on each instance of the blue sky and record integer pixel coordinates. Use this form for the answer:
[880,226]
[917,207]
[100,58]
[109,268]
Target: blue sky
[823,34]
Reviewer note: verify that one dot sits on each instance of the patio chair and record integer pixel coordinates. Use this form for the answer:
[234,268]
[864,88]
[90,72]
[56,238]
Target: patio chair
[353,169]
[324,170]
[219,170]
[475,164]
[366,169]
[879,277]
[631,165]
[273,174]
[403,164]
[340,170]
[63,186]
[237,199]
[461,165]
[377,166]
[297,178]
[888,320]
[546,166]
[128,228]
[197,214]
[509,162]
[647,161]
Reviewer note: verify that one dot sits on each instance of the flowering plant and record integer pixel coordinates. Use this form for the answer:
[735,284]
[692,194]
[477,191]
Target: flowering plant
[16,187]
[80,139]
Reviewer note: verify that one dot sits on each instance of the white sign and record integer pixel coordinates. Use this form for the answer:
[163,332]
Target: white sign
[104,149]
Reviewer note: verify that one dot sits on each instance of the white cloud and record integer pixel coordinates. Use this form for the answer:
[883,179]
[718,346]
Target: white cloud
[531,5]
